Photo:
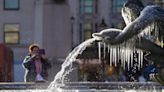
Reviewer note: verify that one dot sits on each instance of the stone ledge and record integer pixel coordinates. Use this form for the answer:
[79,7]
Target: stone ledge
[112,85]
[23,85]
[82,85]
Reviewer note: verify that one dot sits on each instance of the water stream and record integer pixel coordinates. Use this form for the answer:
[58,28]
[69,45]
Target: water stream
[67,65]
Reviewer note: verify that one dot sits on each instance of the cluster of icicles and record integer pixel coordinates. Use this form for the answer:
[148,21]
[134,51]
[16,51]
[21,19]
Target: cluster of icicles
[124,53]
[154,37]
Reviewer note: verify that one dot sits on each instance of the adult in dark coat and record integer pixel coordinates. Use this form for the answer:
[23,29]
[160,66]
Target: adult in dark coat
[35,65]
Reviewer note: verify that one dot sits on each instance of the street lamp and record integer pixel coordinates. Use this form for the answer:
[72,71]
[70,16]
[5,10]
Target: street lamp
[72,31]
[102,25]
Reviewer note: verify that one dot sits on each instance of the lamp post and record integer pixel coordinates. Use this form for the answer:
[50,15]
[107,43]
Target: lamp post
[72,31]
[102,25]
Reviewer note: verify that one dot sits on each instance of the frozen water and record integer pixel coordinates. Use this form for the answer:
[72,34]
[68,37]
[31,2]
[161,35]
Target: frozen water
[67,65]
[99,51]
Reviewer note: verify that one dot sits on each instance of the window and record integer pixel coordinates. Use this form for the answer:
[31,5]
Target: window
[11,4]
[11,33]
[159,2]
[87,30]
[117,5]
[88,6]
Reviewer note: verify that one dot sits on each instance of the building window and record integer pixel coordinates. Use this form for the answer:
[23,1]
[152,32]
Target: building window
[88,6]
[117,5]
[159,2]
[88,29]
[11,4]
[11,33]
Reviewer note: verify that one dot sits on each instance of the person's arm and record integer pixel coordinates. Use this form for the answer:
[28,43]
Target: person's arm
[27,60]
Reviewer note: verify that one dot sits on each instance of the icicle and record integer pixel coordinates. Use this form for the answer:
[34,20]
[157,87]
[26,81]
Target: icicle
[141,59]
[127,59]
[124,57]
[129,52]
[124,62]
[131,55]
[108,48]
[118,53]
[104,50]
[112,55]
[111,58]
[121,56]
[115,55]
[99,51]
[162,41]
[149,31]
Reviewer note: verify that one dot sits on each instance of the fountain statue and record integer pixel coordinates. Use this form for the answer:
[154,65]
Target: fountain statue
[140,22]
[143,29]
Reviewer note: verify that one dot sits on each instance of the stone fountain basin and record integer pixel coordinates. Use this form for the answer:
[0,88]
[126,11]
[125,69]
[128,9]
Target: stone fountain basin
[22,85]
[84,87]
[110,87]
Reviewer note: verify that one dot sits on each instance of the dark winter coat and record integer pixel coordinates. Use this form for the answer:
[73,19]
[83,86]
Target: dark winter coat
[30,69]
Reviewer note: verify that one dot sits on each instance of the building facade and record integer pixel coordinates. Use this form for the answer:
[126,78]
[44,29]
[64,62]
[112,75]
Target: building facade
[56,25]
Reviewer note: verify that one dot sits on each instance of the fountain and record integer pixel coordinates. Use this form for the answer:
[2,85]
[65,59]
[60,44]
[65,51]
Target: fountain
[120,46]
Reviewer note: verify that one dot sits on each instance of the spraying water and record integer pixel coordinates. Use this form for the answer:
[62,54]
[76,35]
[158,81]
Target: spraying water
[67,65]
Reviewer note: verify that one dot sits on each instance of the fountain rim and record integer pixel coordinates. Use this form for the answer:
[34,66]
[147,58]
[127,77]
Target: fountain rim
[108,85]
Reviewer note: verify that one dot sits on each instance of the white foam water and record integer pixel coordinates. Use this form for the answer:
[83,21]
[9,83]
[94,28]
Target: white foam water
[67,65]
